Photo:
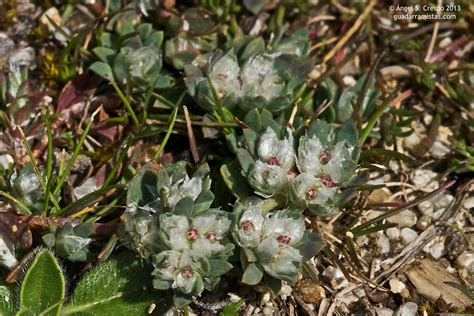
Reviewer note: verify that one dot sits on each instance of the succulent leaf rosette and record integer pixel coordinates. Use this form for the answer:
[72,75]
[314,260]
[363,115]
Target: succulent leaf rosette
[272,243]
[157,189]
[71,242]
[255,78]
[139,60]
[308,172]
[169,222]
[197,250]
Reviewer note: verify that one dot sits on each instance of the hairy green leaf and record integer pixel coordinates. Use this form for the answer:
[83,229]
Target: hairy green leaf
[120,286]
[42,290]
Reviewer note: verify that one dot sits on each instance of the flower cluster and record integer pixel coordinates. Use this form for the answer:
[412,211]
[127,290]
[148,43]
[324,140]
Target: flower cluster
[263,80]
[196,252]
[308,174]
[269,242]
[169,222]
[158,189]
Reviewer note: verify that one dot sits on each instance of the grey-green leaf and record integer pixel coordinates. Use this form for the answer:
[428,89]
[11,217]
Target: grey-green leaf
[42,290]
[252,275]
[120,286]
[103,70]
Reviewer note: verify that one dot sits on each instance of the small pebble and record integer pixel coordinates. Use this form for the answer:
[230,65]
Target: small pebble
[362,240]
[381,311]
[426,208]
[335,277]
[396,286]
[407,235]
[424,179]
[439,150]
[466,261]
[393,233]
[407,309]
[438,213]
[286,290]
[444,200]
[310,291]
[469,203]
[265,298]
[405,218]
[383,243]
[423,222]
[268,310]
[437,250]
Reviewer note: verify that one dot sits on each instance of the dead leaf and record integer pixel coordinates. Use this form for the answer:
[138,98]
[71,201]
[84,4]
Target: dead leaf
[429,276]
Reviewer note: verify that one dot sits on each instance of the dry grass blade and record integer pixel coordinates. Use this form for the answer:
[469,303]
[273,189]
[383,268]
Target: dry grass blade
[351,31]
[192,140]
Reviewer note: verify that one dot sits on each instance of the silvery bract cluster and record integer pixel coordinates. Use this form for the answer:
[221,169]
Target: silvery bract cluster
[154,191]
[261,81]
[196,252]
[169,222]
[269,242]
[308,174]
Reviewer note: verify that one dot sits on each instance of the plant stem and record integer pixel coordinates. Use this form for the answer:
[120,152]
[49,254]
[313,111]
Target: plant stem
[25,210]
[168,133]
[63,176]
[126,103]
[375,117]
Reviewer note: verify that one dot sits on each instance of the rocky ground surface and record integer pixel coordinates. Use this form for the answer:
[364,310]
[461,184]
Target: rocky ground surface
[422,265]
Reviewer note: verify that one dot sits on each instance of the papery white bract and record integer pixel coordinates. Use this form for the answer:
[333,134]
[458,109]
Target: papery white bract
[269,240]
[277,152]
[183,188]
[317,160]
[307,190]
[260,79]
[224,75]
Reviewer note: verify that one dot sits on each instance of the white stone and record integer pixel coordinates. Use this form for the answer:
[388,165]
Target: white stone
[286,290]
[444,200]
[426,208]
[268,310]
[265,298]
[381,311]
[466,261]
[407,235]
[437,250]
[362,240]
[438,213]
[349,81]
[468,203]
[411,141]
[234,298]
[423,222]
[335,277]
[393,233]
[396,286]
[383,243]
[445,42]
[7,255]
[439,150]
[405,218]
[424,179]
[407,309]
